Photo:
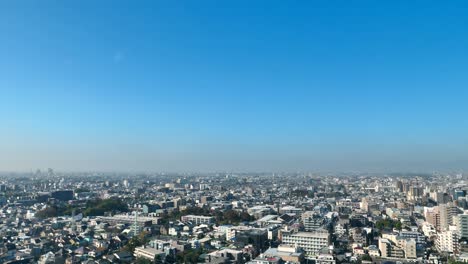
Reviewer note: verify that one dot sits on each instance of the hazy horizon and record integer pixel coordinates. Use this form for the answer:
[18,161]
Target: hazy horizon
[234,86]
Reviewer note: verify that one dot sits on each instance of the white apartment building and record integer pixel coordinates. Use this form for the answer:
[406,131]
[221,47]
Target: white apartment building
[461,221]
[198,219]
[447,241]
[310,242]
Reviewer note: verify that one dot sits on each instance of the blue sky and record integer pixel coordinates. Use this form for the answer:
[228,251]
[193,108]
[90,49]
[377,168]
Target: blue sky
[234,85]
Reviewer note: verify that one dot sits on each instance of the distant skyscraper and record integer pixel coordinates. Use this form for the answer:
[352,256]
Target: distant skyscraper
[399,186]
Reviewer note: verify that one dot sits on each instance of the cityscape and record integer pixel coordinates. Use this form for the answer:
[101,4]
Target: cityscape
[263,218]
[233,132]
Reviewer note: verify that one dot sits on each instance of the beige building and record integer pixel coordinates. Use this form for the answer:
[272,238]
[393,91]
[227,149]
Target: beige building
[447,214]
[432,216]
[147,252]
[287,253]
[395,246]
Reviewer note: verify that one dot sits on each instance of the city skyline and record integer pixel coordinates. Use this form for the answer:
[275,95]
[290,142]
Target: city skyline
[234,86]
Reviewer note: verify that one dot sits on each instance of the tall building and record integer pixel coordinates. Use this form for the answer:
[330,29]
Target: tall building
[414,193]
[447,241]
[461,221]
[399,186]
[447,214]
[440,197]
[126,184]
[458,194]
[364,205]
[432,216]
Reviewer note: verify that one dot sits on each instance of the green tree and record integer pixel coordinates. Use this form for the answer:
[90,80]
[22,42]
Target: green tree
[388,224]
[453,261]
[398,225]
[366,257]
[143,261]
[47,212]
[170,259]
[158,259]
[189,256]
[99,207]
[136,241]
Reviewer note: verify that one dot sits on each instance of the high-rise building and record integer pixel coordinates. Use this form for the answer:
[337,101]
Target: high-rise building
[399,186]
[126,184]
[447,241]
[415,192]
[432,216]
[461,221]
[364,205]
[458,194]
[447,213]
[440,197]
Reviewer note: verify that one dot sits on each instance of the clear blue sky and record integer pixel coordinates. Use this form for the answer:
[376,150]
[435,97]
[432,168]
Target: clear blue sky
[234,85]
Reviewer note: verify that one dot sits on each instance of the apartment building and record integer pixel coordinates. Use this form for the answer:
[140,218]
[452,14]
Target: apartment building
[312,221]
[447,241]
[310,242]
[395,245]
[461,221]
[198,219]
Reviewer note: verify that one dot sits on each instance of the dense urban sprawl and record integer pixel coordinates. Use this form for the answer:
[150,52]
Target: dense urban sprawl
[254,218]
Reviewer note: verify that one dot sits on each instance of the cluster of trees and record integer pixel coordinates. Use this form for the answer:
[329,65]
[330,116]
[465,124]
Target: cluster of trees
[145,261]
[388,224]
[232,217]
[55,210]
[176,214]
[136,241]
[50,211]
[453,261]
[222,217]
[99,207]
[92,208]
[189,256]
